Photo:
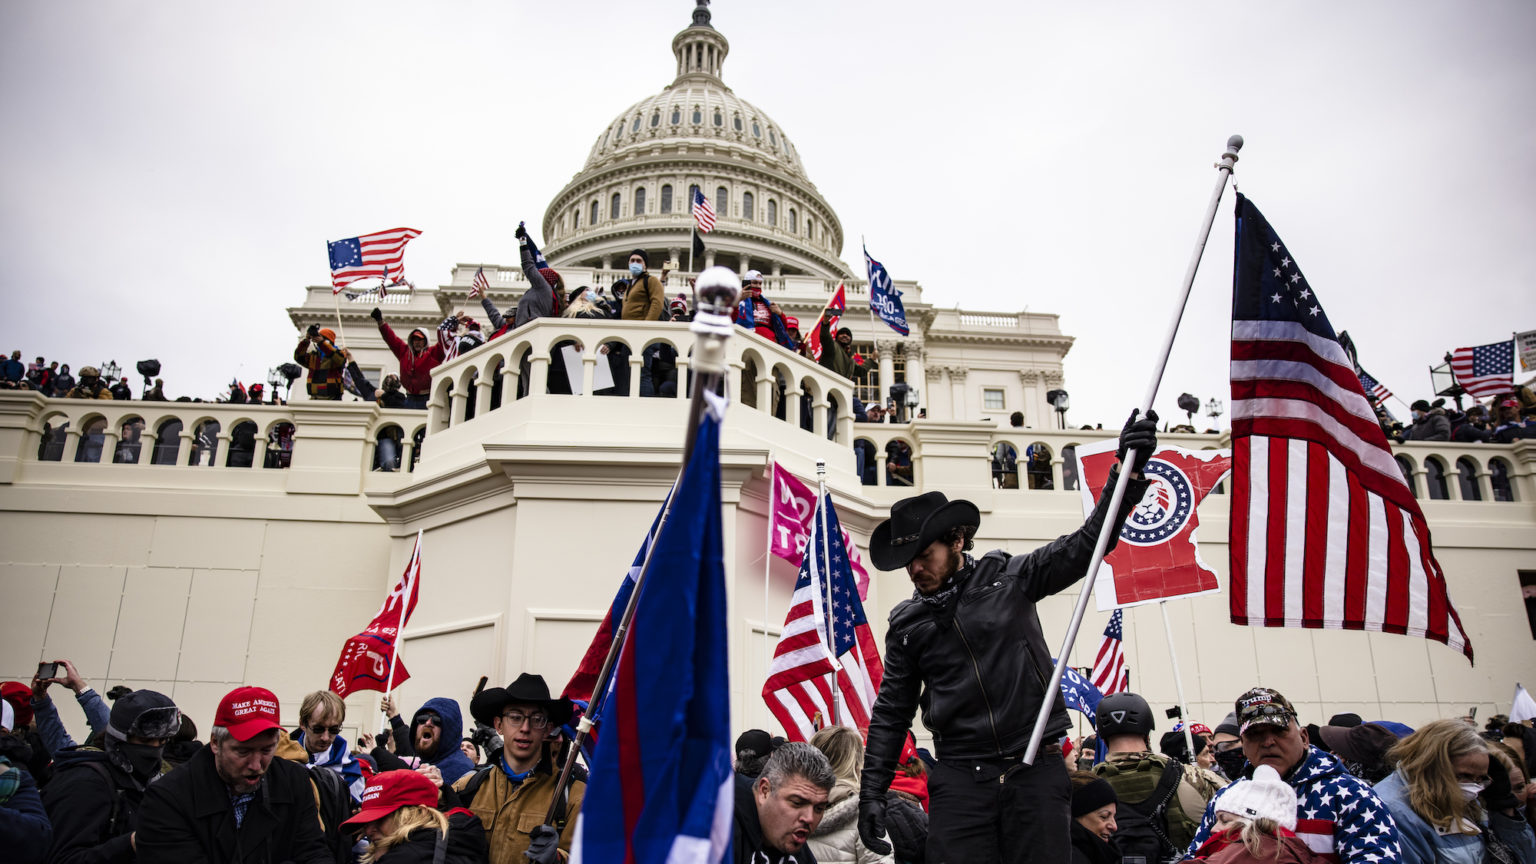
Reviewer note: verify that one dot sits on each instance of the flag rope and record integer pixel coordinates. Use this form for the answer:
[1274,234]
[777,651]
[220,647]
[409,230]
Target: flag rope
[1224,172]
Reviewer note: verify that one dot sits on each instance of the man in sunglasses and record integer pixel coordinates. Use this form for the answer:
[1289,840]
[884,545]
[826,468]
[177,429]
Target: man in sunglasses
[436,729]
[320,717]
[515,790]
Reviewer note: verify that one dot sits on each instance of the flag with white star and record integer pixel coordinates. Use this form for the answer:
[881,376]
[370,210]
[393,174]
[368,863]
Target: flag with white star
[1487,370]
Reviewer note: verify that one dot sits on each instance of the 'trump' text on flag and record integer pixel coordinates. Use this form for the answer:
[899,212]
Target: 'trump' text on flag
[366,659]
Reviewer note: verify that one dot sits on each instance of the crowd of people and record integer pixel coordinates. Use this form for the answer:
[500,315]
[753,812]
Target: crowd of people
[1507,418]
[56,381]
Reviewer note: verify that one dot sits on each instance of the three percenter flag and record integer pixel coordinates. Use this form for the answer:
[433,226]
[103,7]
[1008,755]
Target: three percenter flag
[1324,531]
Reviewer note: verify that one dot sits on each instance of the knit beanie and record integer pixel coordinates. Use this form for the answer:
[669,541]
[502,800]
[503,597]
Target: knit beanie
[1265,796]
[551,277]
[1091,796]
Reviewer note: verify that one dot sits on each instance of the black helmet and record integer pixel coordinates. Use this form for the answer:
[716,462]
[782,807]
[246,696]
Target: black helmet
[143,713]
[1125,714]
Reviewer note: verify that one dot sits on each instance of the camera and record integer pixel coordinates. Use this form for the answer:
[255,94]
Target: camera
[47,670]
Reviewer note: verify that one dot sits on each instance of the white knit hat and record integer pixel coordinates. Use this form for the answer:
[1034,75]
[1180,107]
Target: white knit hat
[7,716]
[1266,796]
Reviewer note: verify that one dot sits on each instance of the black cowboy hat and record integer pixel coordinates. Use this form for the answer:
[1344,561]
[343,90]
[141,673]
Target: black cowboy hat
[915,523]
[526,690]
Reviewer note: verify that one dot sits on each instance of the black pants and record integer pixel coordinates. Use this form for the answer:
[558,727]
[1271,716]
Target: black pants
[1000,810]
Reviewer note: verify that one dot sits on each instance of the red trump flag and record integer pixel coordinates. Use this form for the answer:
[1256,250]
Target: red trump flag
[368,659]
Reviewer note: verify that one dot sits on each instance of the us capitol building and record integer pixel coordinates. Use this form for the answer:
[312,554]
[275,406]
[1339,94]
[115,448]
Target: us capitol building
[182,563]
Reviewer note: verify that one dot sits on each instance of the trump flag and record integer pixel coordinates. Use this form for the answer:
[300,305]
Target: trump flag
[1157,556]
[366,658]
[794,507]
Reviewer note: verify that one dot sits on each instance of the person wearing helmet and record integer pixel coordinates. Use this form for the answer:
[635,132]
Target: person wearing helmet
[317,352]
[94,797]
[1161,800]
[90,385]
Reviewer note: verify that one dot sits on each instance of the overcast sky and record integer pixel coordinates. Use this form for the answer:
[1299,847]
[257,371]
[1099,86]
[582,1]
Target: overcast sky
[172,169]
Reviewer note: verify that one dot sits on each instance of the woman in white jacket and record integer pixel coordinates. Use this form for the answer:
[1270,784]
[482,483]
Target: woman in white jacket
[836,839]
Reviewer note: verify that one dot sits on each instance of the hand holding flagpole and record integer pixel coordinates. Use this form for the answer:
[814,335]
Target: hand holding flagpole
[1224,170]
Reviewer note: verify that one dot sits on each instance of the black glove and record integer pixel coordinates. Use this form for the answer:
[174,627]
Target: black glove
[521,233]
[1141,436]
[313,331]
[1499,796]
[376,314]
[545,848]
[872,825]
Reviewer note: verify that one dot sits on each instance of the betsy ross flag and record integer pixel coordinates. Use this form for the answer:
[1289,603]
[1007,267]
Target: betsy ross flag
[703,212]
[1486,370]
[365,658]
[380,255]
[662,786]
[798,690]
[480,287]
[1324,533]
[1109,673]
[833,313]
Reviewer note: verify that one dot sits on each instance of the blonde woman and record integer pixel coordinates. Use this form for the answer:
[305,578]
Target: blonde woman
[403,825]
[836,839]
[1434,795]
[1255,822]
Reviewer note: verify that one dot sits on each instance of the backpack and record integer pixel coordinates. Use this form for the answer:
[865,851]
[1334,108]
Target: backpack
[335,808]
[1150,822]
[483,773]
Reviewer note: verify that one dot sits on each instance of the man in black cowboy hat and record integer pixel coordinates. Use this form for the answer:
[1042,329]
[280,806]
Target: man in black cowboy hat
[519,783]
[968,648]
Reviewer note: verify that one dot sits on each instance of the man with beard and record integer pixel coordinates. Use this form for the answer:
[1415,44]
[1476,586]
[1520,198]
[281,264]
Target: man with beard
[95,795]
[234,802]
[969,648]
[436,729]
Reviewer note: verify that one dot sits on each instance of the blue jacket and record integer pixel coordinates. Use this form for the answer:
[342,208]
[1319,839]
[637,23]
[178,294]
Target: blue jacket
[746,318]
[51,728]
[25,832]
[1423,843]
[449,759]
[12,370]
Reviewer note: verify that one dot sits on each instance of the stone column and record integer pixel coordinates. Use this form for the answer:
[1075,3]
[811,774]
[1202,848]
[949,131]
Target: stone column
[407,452]
[1051,380]
[887,367]
[935,379]
[183,445]
[917,375]
[957,393]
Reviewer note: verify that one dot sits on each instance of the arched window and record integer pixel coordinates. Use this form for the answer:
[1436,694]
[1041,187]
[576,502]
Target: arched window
[719,118]
[655,119]
[722,202]
[698,115]
[693,195]
[1406,466]
[1434,474]
[747,206]
[1498,477]
[794,223]
[677,115]
[1037,459]
[773,212]
[640,201]
[575,217]
[666,198]
[1466,474]
[772,138]
[613,206]
[593,220]
[737,122]
[636,127]
[1005,466]
[757,131]
[810,228]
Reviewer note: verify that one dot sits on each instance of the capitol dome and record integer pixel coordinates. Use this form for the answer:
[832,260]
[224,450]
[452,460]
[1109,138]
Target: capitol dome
[636,187]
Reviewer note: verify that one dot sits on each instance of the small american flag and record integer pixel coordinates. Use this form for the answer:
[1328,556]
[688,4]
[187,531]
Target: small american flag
[480,287]
[703,212]
[369,256]
[1324,532]
[1109,672]
[1486,370]
[1373,388]
[797,690]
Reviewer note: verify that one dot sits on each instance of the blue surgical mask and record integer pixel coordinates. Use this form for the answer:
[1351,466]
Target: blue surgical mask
[591,296]
[637,269]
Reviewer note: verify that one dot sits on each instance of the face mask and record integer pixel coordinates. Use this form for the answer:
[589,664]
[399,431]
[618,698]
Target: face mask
[591,297]
[637,269]
[144,758]
[1231,762]
[1470,790]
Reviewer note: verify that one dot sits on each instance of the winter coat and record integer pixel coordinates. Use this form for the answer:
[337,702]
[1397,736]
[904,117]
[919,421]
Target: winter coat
[646,300]
[452,764]
[80,391]
[1089,848]
[510,813]
[1338,816]
[93,806]
[747,844]
[539,301]
[415,366]
[978,666]
[25,832]
[1285,848]
[466,843]
[833,355]
[12,370]
[51,728]
[1433,426]
[746,316]
[836,839]
[188,818]
[324,379]
[1424,844]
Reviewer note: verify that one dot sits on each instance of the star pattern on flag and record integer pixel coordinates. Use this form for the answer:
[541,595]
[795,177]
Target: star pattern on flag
[1080,695]
[346,253]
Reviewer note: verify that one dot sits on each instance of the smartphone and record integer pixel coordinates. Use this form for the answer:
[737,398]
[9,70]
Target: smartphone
[1472,712]
[47,670]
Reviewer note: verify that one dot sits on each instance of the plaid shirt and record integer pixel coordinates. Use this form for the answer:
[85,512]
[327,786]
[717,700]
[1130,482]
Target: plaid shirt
[325,370]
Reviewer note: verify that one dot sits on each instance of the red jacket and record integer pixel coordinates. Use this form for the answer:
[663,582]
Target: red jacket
[415,367]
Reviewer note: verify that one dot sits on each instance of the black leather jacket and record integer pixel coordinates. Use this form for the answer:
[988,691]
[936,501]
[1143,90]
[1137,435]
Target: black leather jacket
[979,666]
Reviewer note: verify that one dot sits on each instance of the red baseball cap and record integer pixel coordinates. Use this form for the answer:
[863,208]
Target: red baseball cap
[391,790]
[247,712]
[791,322]
[20,697]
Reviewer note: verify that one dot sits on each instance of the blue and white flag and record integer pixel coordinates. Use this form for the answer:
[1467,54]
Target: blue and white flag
[883,296]
[662,786]
[1080,695]
[538,257]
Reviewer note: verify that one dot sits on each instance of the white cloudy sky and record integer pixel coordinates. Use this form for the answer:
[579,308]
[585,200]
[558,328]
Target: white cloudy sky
[170,170]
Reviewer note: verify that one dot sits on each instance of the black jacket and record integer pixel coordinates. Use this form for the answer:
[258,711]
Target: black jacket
[979,666]
[93,806]
[747,844]
[466,843]
[1087,848]
[187,818]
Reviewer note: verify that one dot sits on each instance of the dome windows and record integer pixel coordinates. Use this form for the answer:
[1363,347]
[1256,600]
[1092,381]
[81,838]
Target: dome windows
[666,198]
[810,229]
[737,122]
[772,137]
[593,220]
[698,115]
[636,126]
[747,206]
[722,201]
[640,201]
[655,119]
[773,212]
[757,131]
[677,115]
[613,206]
[794,222]
[719,118]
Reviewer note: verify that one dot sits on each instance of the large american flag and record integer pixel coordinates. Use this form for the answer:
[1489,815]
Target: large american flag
[1109,672]
[703,211]
[1486,370]
[798,690]
[370,256]
[1324,532]
[480,287]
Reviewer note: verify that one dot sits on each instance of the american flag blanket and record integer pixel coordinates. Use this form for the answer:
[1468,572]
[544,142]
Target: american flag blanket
[1338,815]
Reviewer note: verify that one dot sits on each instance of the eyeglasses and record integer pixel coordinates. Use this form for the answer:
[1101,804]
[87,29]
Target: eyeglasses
[517,718]
[321,730]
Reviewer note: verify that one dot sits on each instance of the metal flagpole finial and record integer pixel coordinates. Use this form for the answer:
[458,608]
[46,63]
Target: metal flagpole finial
[1234,144]
[718,290]
[821,467]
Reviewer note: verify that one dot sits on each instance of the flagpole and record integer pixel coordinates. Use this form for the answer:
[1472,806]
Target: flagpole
[1224,171]
[1178,682]
[773,490]
[712,326]
[869,290]
[826,566]
[405,601]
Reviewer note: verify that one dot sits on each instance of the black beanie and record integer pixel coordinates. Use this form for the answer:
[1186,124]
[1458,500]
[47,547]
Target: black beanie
[1091,796]
[643,257]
